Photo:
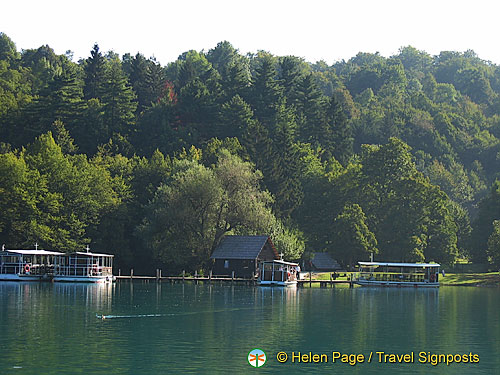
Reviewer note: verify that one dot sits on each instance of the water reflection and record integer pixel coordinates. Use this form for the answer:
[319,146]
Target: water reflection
[95,295]
[180,328]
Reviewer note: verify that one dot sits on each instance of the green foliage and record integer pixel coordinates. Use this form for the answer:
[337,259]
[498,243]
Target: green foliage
[198,205]
[53,198]
[489,211]
[324,140]
[352,239]
[266,93]
[118,99]
[287,239]
[94,69]
[8,51]
[494,244]
[409,217]
[283,178]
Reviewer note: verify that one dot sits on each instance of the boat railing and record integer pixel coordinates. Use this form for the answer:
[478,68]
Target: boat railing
[101,271]
[391,276]
[279,274]
[82,270]
[11,268]
[26,269]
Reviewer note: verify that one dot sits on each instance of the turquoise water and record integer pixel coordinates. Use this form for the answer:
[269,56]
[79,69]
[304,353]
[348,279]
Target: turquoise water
[196,329]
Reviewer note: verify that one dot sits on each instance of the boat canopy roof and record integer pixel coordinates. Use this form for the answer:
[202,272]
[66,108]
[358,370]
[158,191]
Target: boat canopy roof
[280,262]
[415,265]
[89,254]
[32,252]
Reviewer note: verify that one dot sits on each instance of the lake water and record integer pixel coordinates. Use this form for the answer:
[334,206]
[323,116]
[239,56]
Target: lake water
[167,328]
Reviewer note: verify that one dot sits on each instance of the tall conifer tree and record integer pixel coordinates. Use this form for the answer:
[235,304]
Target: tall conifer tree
[118,99]
[94,69]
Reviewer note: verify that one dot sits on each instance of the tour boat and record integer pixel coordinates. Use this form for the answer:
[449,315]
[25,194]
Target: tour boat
[397,274]
[84,266]
[27,265]
[278,273]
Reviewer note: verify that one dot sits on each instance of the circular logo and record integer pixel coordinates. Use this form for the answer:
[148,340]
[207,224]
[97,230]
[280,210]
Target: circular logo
[256,358]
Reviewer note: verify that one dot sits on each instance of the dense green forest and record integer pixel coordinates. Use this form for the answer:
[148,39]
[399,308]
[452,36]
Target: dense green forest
[395,156]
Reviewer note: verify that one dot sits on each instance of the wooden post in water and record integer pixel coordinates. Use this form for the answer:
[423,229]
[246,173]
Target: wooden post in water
[310,279]
[210,276]
[232,277]
[119,271]
[196,277]
[160,274]
[183,275]
[131,273]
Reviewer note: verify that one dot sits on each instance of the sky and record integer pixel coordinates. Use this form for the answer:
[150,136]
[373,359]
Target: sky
[328,30]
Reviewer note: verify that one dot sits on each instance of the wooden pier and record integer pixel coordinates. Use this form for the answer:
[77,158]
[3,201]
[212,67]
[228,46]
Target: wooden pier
[326,283]
[225,279]
[210,278]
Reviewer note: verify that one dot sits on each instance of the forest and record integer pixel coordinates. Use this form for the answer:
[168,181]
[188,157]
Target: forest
[396,156]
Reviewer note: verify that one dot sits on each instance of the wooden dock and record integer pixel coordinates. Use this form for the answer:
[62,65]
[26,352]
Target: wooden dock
[187,278]
[225,279]
[326,283]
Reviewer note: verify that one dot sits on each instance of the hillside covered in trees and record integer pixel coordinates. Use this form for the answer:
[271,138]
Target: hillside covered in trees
[395,156]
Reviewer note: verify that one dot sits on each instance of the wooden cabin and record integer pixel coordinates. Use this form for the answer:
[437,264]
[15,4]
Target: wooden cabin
[242,254]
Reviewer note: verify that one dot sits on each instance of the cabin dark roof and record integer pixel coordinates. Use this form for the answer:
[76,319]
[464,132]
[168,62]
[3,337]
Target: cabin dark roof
[323,261]
[242,247]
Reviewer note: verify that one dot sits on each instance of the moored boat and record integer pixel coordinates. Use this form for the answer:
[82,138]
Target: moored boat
[278,273]
[84,267]
[27,265]
[397,274]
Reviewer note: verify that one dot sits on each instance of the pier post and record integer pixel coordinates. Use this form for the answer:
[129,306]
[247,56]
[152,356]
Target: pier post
[210,276]
[131,273]
[119,271]
[160,274]
[183,275]
[232,277]
[310,279]
[196,277]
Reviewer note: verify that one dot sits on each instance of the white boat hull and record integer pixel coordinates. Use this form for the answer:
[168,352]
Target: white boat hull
[84,279]
[19,277]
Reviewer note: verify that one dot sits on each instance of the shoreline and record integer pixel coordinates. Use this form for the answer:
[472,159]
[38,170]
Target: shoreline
[479,279]
[484,279]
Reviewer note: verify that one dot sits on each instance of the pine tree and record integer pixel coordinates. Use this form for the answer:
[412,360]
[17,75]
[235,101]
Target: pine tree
[291,74]
[155,82]
[236,82]
[341,146]
[118,99]
[187,73]
[236,116]
[256,140]
[138,80]
[284,177]
[94,69]
[61,100]
[265,93]
[311,111]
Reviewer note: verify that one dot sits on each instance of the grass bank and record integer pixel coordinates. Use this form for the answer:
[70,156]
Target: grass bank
[471,279]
